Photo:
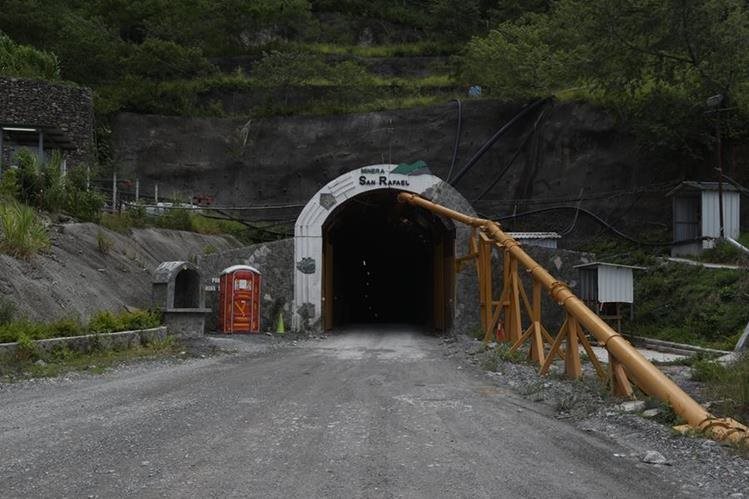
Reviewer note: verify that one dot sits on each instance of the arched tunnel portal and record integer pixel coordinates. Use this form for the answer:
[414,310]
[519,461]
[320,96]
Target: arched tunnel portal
[362,257]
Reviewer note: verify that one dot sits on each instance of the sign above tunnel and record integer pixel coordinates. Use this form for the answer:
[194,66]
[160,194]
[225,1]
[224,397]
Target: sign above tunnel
[389,176]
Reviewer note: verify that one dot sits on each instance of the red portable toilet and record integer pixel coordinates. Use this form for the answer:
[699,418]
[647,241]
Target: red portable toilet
[239,300]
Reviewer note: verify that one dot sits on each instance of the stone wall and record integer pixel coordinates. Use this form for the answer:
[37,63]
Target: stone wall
[69,108]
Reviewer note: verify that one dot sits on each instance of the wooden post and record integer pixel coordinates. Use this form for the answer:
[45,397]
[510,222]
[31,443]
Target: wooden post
[537,340]
[572,367]
[620,385]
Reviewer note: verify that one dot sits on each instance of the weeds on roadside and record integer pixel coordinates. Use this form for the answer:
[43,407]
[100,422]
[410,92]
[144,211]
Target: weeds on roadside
[101,322]
[22,233]
[727,384]
[103,243]
[34,363]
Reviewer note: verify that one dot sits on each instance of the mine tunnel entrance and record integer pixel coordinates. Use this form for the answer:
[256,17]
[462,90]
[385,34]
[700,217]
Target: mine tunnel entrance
[387,262]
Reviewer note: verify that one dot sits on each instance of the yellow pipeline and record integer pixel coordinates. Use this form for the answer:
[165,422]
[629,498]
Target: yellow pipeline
[648,377]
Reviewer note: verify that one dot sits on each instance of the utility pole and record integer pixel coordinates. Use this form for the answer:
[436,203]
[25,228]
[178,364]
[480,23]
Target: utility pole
[716,104]
[720,176]
[114,192]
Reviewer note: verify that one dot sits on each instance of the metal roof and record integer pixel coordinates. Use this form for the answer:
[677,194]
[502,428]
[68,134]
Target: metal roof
[54,137]
[534,235]
[605,264]
[234,268]
[695,186]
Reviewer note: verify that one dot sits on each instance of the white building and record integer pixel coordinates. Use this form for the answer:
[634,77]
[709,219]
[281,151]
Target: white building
[543,239]
[696,213]
[605,286]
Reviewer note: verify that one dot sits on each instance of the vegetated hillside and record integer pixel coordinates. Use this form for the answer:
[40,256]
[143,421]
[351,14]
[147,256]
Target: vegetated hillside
[652,62]
[89,268]
[165,56]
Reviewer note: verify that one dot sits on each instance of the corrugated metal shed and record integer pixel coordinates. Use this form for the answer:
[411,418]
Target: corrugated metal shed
[696,210]
[543,239]
[711,214]
[606,282]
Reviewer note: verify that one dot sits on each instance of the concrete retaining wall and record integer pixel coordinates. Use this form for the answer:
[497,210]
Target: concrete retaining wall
[110,341]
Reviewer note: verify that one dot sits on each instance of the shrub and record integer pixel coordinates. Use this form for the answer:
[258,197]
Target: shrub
[26,348]
[142,319]
[7,311]
[103,243]
[104,322]
[26,62]
[9,188]
[101,322]
[22,233]
[175,219]
[729,384]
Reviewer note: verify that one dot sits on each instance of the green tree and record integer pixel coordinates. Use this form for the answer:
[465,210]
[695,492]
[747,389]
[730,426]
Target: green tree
[655,61]
[25,61]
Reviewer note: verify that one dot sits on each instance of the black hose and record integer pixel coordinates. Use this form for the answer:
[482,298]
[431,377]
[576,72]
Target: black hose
[457,140]
[474,159]
[512,160]
[604,223]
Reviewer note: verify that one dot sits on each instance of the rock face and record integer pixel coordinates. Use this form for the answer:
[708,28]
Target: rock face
[67,109]
[577,150]
[75,279]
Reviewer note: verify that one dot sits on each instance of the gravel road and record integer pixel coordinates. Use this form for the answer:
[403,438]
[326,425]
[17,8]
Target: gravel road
[362,414]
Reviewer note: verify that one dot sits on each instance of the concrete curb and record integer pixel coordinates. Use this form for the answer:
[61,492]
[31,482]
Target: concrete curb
[671,347]
[86,343]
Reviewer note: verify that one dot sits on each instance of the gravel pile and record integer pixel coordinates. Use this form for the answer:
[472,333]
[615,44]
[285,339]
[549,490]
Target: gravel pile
[700,467]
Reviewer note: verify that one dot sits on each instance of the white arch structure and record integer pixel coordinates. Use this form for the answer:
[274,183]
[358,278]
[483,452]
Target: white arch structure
[308,231]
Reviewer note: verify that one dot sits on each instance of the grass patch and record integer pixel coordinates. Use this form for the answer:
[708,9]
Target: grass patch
[178,219]
[728,384]
[22,232]
[22,330]
[725,252]
[493,358]
[64,360]
[744,239]
[688,304]
[423,48]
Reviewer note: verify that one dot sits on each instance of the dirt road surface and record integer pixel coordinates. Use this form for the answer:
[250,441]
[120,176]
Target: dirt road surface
[362,414]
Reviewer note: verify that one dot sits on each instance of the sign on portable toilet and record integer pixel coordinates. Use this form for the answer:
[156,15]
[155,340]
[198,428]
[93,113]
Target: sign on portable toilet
[239,300]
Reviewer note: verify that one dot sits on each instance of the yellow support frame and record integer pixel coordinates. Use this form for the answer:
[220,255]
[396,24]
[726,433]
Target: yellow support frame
[625,362]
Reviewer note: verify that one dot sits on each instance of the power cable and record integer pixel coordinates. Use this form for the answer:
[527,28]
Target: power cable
[457,139]
[569,229]
[485,147]
[601,221]
[512,160]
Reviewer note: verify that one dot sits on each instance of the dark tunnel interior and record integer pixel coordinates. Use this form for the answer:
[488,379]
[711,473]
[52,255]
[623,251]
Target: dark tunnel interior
[384,262]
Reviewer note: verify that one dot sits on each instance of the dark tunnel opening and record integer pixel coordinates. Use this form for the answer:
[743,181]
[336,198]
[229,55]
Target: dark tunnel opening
[387,262]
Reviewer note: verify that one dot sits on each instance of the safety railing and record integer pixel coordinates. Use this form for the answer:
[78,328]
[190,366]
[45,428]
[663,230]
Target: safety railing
[503,318]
